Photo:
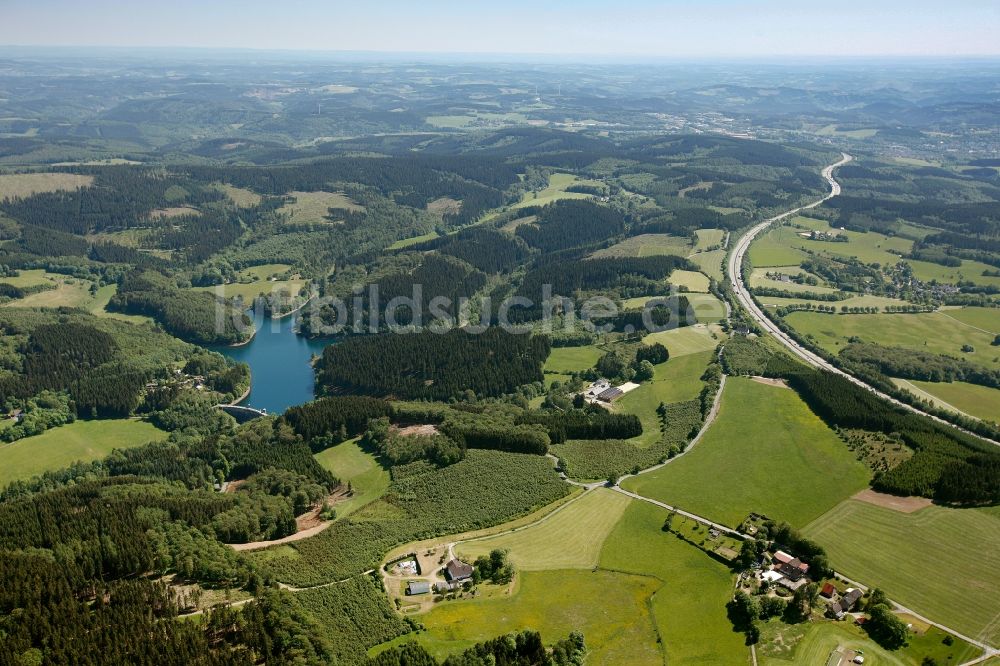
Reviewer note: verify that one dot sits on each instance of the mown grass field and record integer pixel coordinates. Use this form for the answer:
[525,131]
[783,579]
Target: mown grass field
[314,207]
[941,562]
[693,280]
[710,262]
[774,248]
[81,440]
[564,360]
[556,190]
[706,307]
[936,332]
[676,380]
[571,538]
[689,607]
[647,245]
[979,401]
[987,319]
[21,185]
[241,197]
[687,340]
[610,608]
[767,453]
[708,237]
[368,479]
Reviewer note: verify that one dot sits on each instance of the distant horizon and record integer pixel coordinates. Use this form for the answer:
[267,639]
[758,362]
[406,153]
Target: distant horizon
[472,57]
[628,29]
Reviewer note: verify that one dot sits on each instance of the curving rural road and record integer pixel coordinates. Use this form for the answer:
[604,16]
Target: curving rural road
[734,270]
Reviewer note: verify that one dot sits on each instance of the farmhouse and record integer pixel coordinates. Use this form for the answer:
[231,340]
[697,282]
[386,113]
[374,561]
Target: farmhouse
[418,587]
[827,591]
[457,571]
[597,388]
[845,603]
[610,394]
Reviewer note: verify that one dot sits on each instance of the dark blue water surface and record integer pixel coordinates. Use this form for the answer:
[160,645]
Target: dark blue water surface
[280,371]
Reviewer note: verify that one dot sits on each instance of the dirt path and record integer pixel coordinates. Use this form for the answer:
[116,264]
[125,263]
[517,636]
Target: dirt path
[298,536]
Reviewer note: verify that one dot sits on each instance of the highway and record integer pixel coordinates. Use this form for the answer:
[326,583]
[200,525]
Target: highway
[734,271]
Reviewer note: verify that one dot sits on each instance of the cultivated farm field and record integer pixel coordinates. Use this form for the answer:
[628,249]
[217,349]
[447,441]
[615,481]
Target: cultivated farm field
[767,453]
[939,561]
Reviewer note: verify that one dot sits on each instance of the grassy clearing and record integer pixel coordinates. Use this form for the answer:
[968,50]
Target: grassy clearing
[556,190]
[647,245]
[31,278]
[979,401]
[314,207]
[81,440]
[710,263]
[937,332]
[368,479]
[693,280]
[407,242]
[69,292]
[689,609]
[676,380]
[241,197]
[257,281]
[21,185]
[609,608]
[766,452]
[687,340]
[570,539]
[564,360]
[248,291]
[941,562]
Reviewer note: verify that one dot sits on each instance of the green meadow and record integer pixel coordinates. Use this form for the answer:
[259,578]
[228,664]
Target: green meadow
[937,332]
[943,563]
[78,441]
[766,453]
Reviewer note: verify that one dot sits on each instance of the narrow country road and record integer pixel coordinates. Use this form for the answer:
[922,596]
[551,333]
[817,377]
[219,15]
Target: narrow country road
[734,270]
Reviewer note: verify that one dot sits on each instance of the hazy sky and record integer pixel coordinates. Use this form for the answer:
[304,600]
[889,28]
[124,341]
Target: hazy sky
[627,27]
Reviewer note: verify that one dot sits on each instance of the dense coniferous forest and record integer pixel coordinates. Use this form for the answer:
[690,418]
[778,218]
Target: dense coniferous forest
[431,365]
[946,465]
[190,315]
